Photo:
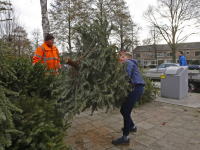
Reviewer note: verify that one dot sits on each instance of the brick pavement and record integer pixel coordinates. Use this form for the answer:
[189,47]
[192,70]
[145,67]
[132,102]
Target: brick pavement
[161,126]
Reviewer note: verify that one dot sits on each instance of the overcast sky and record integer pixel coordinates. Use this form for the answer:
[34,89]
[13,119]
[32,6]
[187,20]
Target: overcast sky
[30,14]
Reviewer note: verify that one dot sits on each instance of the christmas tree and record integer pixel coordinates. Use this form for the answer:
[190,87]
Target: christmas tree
[41,119]
[7,109]
[96,79]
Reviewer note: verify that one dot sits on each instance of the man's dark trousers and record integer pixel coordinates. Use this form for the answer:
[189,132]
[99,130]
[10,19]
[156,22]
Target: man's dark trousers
[128,105]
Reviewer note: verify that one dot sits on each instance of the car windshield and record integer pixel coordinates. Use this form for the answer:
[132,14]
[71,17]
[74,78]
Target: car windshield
[161,66]
[167,65]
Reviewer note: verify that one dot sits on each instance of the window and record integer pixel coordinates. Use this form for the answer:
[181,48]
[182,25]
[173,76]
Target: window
[169,54]
[197,53]
[160,54]
[187,53]
[169,61]
[137,55]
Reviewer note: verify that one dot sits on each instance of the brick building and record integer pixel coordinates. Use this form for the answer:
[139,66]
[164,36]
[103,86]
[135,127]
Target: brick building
[164,53]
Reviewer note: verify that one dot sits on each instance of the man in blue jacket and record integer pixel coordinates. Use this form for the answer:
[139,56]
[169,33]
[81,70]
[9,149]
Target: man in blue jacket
[182,59]
[183,62]
[127,106]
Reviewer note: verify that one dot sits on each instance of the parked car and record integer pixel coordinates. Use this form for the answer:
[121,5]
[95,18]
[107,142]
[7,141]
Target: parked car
[162,67]
[151,66]
[193,67]
[156,72]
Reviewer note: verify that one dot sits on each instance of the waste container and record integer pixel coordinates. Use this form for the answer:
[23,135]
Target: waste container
[174,82]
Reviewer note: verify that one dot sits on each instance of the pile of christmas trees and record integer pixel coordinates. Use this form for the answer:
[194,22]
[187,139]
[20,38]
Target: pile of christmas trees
[30,117]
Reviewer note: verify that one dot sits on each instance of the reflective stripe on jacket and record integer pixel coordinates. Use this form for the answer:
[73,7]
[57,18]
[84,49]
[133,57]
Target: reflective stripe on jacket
[48,56]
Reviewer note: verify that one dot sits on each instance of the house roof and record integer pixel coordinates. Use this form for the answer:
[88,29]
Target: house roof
[163,47]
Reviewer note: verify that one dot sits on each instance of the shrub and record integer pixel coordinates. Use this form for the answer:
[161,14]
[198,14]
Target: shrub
[150,92]
[196,62]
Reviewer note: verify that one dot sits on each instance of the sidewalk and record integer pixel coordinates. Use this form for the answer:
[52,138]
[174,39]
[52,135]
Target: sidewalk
[161,126]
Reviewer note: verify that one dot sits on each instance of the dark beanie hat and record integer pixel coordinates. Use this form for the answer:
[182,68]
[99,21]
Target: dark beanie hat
[48,37]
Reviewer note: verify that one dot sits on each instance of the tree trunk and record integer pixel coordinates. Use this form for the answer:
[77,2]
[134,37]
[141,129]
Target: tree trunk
[174,54]
[69,37]
[45,20]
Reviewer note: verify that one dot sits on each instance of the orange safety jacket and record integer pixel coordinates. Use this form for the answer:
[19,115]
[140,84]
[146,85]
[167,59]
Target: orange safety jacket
[47,55]
[120,55]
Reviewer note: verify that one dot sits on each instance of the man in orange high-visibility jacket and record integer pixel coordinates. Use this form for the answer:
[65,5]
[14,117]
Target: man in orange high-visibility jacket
[48,54]
[120,54]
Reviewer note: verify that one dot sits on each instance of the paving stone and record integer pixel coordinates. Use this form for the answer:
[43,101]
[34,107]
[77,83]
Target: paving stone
[94,117]
[133,146]
[161,110]
[154,112]
[73,124]
[179,119]
[147,115]
[82,114]
[167,107]
[190,147]
[83,138]
[165,128]
[106,115]
[139,118]
[195,141]
[122,123]
[85,146]
[72,132]
[145,125]
[138,111]
[85,127]
[118,116]
[187,118]
[193,126]
[176,138]
[140,131]
[114,148]
[82,120]
[185,133]
[107,144]
[155,133]
[102,131]
[112,120]
[165,117]
[165,144]
[97,147]
[144,139]
[198,134]
[155,121]
[98,123]
[175,124]
[115,127]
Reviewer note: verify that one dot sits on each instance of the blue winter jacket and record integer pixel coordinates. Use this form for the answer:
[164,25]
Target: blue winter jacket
[133,72]
[182,61]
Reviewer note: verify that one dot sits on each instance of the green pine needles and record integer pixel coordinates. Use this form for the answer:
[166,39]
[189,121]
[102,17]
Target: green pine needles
[7,109]
[99,80]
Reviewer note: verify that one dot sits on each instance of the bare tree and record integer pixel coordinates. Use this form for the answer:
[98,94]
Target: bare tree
[20,42]
[153,39]
[117,12]
[63,17]
[36,39]
[173,18]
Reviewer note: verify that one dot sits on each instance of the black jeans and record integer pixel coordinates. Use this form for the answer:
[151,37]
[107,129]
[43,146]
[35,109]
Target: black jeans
[128,105]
